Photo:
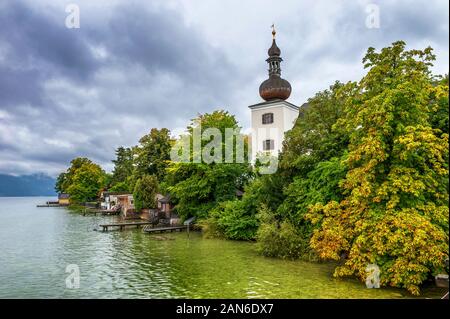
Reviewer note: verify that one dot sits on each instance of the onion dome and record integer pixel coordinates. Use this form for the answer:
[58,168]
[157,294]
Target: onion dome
[274,49]
[275,87]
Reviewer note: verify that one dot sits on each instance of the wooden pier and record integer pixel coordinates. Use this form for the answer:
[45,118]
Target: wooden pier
[163,229]
[104,212]
[148,227]
[123,225]
[51,205]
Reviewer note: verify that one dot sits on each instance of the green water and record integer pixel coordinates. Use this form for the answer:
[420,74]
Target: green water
[37,244]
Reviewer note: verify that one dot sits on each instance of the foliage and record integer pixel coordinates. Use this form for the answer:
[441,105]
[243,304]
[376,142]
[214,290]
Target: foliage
[123,168]
[321,185]
[145,192]
[310,171]
[149,157]
[60,182]
[265,190]
[314,138]
[83,180]
[65,179]
[153,153]
[395,209]
[281,239]
[237,219]
[197,187]
[120,187]
[233,221]
[439,104]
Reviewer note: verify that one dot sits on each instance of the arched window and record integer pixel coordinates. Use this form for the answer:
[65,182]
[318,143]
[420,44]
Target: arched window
[268,145]
[267,118]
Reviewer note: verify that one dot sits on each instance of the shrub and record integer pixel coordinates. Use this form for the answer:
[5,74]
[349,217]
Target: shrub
[232,220]
[282,239]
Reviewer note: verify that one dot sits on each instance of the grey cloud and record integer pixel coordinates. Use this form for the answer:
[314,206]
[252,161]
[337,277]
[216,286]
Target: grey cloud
[41,41]
[20,86]
[134,66]
[157,72]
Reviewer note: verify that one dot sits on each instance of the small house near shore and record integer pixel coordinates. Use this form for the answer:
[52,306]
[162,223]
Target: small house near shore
[166,206]
[117,200]
[124,202]
[63,199]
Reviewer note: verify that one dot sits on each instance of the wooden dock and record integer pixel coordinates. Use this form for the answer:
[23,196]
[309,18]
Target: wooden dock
[123,225]
[51,205]
[163,229]
[104,212]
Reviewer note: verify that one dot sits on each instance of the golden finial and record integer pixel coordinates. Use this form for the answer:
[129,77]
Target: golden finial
[273,31]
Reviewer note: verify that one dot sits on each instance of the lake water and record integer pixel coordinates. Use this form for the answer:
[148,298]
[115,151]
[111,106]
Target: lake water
[37,244]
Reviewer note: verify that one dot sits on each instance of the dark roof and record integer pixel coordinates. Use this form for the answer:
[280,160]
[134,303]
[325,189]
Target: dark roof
[165,199]
[63,196]
[303,109]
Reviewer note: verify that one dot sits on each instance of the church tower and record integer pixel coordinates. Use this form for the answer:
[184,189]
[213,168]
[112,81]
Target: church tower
[273,117]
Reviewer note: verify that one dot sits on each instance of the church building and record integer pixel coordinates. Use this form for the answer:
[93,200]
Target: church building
[273,117]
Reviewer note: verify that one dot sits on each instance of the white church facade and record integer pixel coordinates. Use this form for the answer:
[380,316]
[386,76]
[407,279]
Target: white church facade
[270,120]
[275,116]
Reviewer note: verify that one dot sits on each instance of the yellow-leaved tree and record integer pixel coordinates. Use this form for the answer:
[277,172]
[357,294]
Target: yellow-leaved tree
[395,210]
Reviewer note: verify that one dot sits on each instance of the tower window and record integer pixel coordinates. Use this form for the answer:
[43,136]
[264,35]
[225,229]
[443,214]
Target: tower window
[268,145]
[267,118]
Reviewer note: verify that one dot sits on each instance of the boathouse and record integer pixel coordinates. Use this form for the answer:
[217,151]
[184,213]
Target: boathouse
[165,205]
[63,199]
[166,208]
[118,200]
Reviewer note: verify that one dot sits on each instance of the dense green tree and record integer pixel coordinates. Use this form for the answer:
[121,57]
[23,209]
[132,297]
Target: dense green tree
[314,138]
[310,171]
[120,187]
[87,182]
[145,192]
[83,180]
[310,162]
[66,179]
[439,107]
[60,182]
[321,185]
[197,187]
[153,154]
[395,209]
[231,220]
[123,166]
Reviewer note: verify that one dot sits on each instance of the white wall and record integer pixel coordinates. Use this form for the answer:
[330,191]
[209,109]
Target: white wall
[284,117]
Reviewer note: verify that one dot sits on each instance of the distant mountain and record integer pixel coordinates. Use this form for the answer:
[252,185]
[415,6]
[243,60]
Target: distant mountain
[27,185]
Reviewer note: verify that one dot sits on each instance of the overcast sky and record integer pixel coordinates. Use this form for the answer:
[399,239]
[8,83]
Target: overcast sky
[134,65]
